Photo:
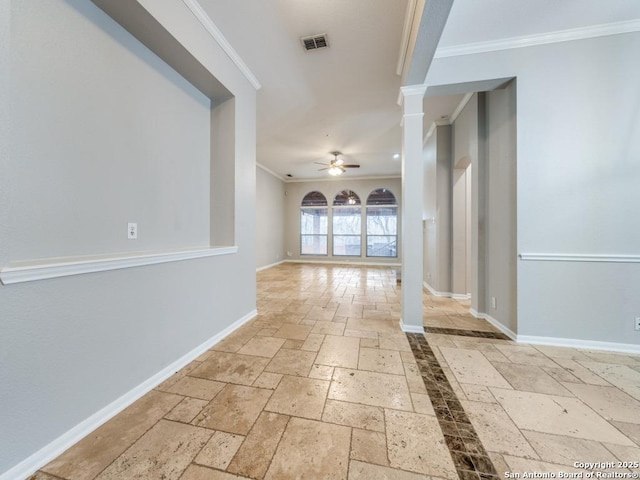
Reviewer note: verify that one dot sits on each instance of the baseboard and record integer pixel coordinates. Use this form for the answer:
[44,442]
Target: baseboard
[259,269]
[49,452]
[411,328]
[485,316]
[346,262]
[576,343]
[455,296]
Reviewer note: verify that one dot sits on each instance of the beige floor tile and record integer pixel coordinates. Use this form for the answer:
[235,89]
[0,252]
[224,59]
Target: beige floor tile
[93,453]
[370,342]
[299,397]
[262,346]
[565,450]
[612,357]
[196,472]
[366,471]
[470,366]
[530,378]
[370,388]
[422,403]
[557,415]
[349,310]
[415,443]
[328,328]
[354,415]
[610,402]
[623,377]
[373,325]
[526,355]
[231,367]
[319,314]
[339,352]
[311,449]
[268,380]
[521,465]
[631,430]
[293,344]
[499,464]
[477,393]
[379,360]
[294,332]
[321,372]
[395,341]
[186,410]
[219,450]
[313,342]
[407,357]
[561,375]
[254,457]
[414,378]
[237,339]
[496,430]
[561,352]
[583,374]
[630,456]
[234,409]
[363,335]
[165,451]
[196,387]
[369,446]
[292,362]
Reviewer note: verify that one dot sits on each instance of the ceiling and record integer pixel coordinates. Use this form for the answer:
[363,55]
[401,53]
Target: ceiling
[345,97]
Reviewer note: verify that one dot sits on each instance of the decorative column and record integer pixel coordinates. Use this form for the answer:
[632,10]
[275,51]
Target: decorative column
[412,206]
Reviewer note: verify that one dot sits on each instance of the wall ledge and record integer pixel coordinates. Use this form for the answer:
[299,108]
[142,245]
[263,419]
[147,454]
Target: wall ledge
[20,272]
[574,257]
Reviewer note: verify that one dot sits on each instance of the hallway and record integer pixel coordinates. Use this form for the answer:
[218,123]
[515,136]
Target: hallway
[323,384]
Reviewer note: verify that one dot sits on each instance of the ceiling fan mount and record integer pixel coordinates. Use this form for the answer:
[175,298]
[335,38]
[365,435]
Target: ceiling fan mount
[336,166]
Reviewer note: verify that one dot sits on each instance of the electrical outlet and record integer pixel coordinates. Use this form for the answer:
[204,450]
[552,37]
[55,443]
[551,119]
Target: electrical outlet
[637,323]
[429,275]
[288,254]
[494,303]
[132,231]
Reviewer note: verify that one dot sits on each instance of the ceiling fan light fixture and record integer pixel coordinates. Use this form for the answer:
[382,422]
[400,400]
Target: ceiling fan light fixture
[335,171]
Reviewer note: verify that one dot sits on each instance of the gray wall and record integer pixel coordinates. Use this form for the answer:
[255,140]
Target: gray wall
[577,174]
[296,192]
[270,226]
[500,225]
[104,133]
[437,210]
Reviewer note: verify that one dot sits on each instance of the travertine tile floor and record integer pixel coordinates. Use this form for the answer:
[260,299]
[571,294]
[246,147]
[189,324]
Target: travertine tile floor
[323,384]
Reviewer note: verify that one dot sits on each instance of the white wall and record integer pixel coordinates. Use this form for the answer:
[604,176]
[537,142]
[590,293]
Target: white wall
[578,141]
[270,212]
[296,192]
[104,133]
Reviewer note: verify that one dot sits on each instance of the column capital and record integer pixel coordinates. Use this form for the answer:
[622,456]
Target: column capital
[410,90]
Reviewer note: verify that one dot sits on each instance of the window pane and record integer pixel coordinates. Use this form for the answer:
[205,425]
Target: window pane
[313,221]
[347,221]
[346,197]
[382,196]
[314,199]
[382,246]
[382,220]
[313,244]
[346,245]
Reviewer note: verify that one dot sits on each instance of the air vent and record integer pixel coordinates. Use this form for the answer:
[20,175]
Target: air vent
[315,42]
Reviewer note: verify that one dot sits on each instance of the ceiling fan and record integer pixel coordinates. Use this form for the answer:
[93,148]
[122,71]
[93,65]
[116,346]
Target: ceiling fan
[336,166]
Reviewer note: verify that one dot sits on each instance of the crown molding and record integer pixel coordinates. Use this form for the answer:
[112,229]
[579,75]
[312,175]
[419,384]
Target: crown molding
[460,107]
[217,35]
[271,172]
[540,39]
[409,19]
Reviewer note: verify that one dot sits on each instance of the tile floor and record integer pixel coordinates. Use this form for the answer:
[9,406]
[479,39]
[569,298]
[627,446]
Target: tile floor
[323,384]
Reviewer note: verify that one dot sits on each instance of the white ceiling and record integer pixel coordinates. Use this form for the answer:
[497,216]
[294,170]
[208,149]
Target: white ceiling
[345,97]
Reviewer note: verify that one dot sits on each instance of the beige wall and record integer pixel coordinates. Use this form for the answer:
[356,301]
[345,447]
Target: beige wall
[270,216]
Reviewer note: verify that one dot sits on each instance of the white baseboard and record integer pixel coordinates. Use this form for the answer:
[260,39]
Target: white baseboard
[259,269]
[485,316]
[575,343]
[346,262]
[455,296]
[49,452]
[411,328]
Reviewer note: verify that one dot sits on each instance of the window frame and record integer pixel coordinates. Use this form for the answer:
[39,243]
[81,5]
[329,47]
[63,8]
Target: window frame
[370,205]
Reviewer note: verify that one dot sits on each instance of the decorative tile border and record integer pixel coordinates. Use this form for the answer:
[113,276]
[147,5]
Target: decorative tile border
[467,333]
[469,456]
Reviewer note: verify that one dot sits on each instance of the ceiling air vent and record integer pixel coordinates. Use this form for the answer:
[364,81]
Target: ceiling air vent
[315,42]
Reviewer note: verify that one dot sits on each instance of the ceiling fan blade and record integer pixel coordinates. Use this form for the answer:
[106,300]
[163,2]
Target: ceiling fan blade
[325,168]
[350,166]
[321,163]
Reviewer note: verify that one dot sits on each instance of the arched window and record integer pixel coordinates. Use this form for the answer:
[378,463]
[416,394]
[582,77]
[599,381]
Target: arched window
[347,224]
[313,224]
[382,224]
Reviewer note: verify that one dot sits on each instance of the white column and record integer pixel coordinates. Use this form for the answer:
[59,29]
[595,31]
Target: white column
[412,206]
